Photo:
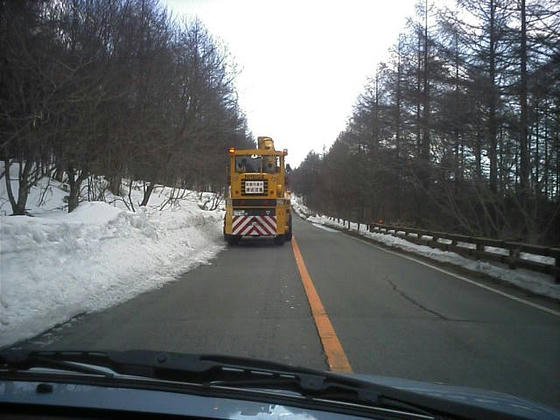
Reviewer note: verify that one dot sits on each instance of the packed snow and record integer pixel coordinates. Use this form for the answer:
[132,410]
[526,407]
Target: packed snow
[56,265]
[538,283]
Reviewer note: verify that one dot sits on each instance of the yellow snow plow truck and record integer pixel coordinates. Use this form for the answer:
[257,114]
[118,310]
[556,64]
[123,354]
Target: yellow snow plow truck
[258,201]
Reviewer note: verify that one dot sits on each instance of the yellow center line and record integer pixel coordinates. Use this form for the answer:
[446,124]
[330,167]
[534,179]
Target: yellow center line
[336,358]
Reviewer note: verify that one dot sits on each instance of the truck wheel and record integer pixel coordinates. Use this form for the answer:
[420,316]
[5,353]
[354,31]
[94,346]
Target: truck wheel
[279,240]
[288,236]
[232,239]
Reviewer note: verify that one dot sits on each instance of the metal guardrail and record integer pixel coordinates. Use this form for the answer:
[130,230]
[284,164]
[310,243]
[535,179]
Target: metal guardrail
[513,258]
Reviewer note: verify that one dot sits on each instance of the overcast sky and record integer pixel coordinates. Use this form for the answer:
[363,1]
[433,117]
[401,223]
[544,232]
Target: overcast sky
[303,63]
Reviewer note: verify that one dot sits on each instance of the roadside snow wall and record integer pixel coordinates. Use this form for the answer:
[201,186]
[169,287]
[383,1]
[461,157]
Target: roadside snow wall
[55,265]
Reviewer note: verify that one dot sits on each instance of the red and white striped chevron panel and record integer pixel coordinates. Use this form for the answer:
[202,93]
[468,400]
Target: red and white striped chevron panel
[254,225]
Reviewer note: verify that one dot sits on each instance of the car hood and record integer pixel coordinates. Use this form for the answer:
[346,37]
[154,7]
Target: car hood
[483,398]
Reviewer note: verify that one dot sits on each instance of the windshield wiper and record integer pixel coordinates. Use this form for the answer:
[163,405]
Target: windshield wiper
[236,373]
[21,360]
[211,371]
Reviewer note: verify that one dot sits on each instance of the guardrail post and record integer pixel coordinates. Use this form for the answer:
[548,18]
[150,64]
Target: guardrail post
[514,254]
[557,269]
[436,244]
[479,248]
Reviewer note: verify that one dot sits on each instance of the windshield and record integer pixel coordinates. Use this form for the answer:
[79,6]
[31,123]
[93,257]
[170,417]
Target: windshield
[365,187]
[257,163]
[248,163]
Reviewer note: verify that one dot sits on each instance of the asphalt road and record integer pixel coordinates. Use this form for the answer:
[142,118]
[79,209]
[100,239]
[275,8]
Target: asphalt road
[392,316]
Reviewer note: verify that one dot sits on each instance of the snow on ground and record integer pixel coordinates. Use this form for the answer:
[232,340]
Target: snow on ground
[538,283]
[55,265]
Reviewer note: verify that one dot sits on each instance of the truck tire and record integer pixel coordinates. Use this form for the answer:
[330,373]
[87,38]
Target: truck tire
[288,236]
[232,240]
[279,240]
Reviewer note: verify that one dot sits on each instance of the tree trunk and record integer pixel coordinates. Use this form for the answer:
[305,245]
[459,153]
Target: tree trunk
[130,201]
[24,187]
[398,132]
[73,198]
[418,80]
[537,183]
[557,167]
[524,153]
[147,194]
[426,96]
[59,173]
[115,184]
[478,155]
[492,124]
[18,206]
[13,202]
[75,183]
[398,103]
[546,157]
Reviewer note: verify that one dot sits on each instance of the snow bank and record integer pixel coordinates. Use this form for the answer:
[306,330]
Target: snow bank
[538,283]
[56,265]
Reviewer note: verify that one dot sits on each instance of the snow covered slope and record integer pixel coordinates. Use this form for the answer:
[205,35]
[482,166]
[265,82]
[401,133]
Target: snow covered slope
[56,265]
